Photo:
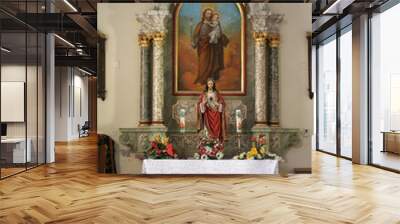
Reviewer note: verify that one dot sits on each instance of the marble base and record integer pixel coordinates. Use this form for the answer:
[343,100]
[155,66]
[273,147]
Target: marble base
[280,140]
[137,138]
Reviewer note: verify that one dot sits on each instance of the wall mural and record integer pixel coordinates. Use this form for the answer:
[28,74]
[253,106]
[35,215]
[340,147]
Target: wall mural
[209,43]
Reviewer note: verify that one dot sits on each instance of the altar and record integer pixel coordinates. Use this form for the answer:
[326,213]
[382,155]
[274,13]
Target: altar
[234,102]
[191,166]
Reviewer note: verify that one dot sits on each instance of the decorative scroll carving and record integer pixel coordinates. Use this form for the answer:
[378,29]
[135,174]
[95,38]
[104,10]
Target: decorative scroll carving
[274,22]
[258,15]
[231,107]
[154,20]
[190,111]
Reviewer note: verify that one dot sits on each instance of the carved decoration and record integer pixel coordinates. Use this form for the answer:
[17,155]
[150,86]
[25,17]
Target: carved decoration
[231,107]
[279,140]
[258,15]
[190,111]
[155,20]
[274,22]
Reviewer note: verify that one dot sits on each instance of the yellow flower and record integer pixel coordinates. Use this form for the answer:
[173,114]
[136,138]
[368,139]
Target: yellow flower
[248,155]
[157,138]
[253,151]
[262,150]
[165,140]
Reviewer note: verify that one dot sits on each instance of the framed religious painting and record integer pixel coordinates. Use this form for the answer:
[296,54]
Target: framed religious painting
[209,43]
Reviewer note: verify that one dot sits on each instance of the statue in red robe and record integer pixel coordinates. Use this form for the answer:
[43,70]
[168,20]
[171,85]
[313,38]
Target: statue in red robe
[211,113]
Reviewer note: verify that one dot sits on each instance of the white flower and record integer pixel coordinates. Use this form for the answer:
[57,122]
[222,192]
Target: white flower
[220,155]
[196,156]
[235,157]
[208,149]
[204,157]
[259,156]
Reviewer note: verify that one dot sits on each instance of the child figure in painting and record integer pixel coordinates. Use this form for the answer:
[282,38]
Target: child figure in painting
[216,32]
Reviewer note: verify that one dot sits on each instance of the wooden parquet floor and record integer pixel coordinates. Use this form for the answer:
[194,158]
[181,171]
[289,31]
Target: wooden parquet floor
[70,191]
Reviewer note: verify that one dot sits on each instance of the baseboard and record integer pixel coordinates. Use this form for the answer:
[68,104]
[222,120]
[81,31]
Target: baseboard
[302,170]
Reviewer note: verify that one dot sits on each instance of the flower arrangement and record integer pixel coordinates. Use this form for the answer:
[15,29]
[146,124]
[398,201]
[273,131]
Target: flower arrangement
[160,148]
[259,150]
[209,149]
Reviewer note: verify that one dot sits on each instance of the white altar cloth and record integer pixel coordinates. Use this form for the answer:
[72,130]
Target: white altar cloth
[190,166]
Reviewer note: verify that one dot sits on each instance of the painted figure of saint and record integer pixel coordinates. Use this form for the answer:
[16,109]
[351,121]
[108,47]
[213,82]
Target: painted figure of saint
[209,40]
[211,112]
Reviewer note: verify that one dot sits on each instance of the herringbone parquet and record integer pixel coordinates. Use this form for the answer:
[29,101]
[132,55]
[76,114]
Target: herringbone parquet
[70,191]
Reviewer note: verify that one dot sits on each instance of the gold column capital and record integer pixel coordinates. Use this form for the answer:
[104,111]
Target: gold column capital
[260,37]
[144,40]
[158,37]
[274,40]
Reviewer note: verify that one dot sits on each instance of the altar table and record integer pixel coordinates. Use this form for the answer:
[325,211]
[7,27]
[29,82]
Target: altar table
[190,166]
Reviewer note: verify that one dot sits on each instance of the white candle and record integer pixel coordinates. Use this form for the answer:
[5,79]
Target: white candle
[182,124]
[238,121]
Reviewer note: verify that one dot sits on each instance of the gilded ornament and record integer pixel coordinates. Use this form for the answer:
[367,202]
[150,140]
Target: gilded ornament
[144,40]
[158,37]
[274,40]
[260,37]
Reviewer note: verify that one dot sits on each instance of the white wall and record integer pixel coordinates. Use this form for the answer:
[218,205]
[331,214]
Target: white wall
[121,107]
[296,108]
[70,84]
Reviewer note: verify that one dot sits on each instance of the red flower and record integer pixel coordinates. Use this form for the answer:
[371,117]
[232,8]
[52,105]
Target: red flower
[154,145]
[170,150]
[253,139]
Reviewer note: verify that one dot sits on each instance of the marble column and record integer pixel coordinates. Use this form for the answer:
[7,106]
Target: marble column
[260,39]
[273,84]
[158,79]
[273,81]
[145,80]
[258,15]
[274,22]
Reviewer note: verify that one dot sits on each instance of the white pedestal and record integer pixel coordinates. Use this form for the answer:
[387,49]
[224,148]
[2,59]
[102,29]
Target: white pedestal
[172,166]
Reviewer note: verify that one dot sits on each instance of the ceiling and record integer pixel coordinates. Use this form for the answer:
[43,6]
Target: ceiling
[76,22]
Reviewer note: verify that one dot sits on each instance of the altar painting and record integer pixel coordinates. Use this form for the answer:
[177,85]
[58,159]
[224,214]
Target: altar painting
[209,43]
